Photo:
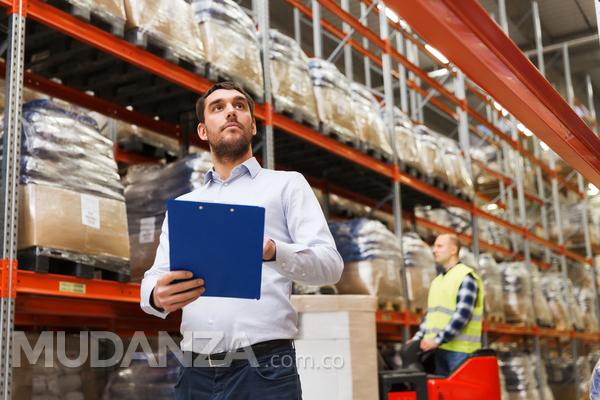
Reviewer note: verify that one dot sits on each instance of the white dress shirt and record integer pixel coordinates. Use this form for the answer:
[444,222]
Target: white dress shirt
[306,253]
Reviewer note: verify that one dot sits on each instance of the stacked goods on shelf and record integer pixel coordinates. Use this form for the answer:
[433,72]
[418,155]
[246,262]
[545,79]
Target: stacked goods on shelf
[71,199]
[110,11]
[334,100]
[420,271]
[503,392]
[167,24]
[290,80]
[371,127]
[492,233]
[230,44]
[147,188]
[518,306]
[585,300]
[542,386]
[492,283]
[451,217]
[572,225]
[430,154]
[489,155]
[458,173]
[542,307]
[584,375]
[133,137]
[406,140]
[468,258]
[564,319]
[527,171]
[372,261]
[521,383]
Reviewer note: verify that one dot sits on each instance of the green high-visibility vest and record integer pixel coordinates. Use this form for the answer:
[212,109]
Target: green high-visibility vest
[441,304]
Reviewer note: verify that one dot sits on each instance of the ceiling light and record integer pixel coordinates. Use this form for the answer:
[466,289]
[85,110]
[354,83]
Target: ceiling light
[528,132]
[392,16]
[437,54]
[544,146]
[504,112]
[492,206]
[497,106]
[593,190]
[520,126]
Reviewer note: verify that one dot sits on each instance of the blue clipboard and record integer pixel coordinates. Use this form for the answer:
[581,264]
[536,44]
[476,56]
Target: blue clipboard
[220,243]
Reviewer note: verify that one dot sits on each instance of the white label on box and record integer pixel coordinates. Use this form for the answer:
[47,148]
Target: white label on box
[323,325]
[90,211]
[391,271]
[147,228]
[239,47]
[297,84]
[170,8]
[341,106]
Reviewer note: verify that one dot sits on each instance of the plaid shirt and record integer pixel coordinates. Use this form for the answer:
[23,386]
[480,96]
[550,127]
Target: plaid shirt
[465,303]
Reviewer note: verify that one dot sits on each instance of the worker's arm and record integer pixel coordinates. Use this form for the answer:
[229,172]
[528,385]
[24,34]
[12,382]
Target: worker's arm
[465,303]
[421,332]
[312,257]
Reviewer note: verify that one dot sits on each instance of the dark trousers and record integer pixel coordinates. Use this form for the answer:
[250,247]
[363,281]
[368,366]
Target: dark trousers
[275,378]
[446,361]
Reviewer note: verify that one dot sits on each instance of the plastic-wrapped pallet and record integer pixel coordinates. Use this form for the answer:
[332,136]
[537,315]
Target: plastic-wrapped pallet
[587,305]
[147,188]
[372,261]
[71,196]
[543,385]
[167,24]
[493,233]
[371,126]
[466,257]
[459,175]
[230,43]
[584,375]
[542,308]
[521,383]
[516,286]
[290,79]
[110,11]
[564,319]
[492,283]
[334,99]
[431,160]
[406,140]
[572,223]
[503,392]
[420,271]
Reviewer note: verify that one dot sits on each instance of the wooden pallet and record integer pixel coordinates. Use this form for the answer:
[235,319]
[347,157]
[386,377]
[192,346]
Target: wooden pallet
[113,27]
[417,310]
[336,133]
[375,152]
[496,317]
[143,40]
[62,262]
[392,306]
[297,114]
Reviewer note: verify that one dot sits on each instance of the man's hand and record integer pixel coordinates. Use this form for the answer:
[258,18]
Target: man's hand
[409,340]
[167,296]
[268,249]
[428,344]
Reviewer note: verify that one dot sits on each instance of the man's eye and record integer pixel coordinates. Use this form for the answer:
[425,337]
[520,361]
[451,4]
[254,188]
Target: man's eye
[240,105]
[218,108]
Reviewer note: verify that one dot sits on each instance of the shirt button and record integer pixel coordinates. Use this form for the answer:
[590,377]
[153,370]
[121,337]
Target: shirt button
[282,265]
[227,184]
[211,321]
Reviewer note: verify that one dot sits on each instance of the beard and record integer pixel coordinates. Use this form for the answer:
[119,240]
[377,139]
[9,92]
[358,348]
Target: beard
[232,149]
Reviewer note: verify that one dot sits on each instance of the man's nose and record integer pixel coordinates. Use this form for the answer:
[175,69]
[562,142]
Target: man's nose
[230,110]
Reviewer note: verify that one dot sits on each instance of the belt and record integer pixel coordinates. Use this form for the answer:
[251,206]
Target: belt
[259,349]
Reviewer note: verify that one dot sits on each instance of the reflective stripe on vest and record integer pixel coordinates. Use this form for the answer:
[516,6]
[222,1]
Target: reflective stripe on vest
[441,304]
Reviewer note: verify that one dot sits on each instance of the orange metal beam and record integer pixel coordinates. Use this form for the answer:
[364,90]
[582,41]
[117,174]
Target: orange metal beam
[128,157]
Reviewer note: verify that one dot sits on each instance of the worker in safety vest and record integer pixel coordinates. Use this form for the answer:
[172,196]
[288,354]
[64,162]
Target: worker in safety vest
[452,324]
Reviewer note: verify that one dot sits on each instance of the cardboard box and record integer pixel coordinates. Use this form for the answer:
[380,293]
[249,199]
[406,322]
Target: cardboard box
[52,217]
[143,252]
[336,346]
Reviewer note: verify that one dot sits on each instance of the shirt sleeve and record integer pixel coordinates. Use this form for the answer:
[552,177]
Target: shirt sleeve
[421,332]
[160,267]
[312,257]
[465,303]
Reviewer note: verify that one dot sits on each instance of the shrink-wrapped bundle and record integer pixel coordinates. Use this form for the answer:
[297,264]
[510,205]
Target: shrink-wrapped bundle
[372,260]
[420,271]
[492,283]
[147,188]
[290,79]
[468,258]
[406,140]
[459,175]
[230,43]
[516,286]
[493,233]
[585,300]
[71,198]
[431,160]
[167,24]
[543,385]
[572,223]
[110,11]
[371,127]
[542,308]
[564,318]
[334,99]
[521,382]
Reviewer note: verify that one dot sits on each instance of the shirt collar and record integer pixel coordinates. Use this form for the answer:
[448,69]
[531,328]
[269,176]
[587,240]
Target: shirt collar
[250,165]
[445,272]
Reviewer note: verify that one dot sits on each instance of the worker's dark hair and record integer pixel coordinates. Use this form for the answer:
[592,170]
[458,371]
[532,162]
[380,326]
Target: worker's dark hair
[454,241]
[226,86]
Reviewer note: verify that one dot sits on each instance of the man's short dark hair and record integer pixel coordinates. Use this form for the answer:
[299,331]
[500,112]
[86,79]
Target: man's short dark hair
[226,86]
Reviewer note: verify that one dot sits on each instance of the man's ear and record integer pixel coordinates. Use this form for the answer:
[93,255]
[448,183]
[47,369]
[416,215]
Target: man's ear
[253,127]
[202,132]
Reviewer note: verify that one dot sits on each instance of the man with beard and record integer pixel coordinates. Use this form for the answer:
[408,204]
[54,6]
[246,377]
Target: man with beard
[298,246]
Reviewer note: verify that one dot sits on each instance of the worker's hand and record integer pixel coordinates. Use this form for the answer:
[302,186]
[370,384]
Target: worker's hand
[409,340]
[428,344]
[167,295]
[268,249]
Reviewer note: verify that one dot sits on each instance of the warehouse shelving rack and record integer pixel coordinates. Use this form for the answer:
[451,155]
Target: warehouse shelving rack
[113,305]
